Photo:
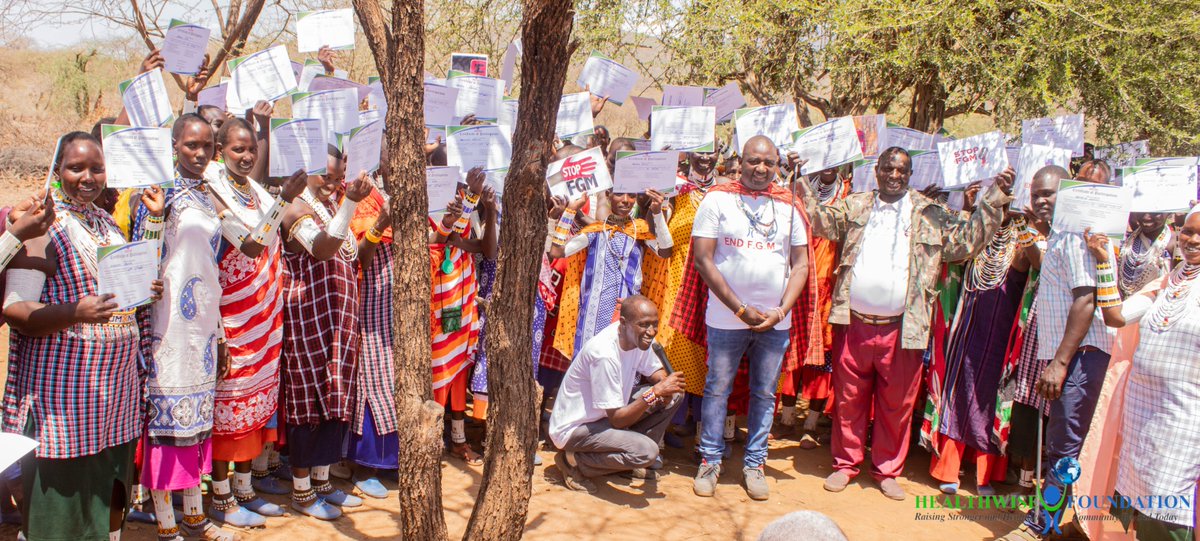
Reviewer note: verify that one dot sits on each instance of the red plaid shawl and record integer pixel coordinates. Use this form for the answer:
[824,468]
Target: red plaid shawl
[806,346]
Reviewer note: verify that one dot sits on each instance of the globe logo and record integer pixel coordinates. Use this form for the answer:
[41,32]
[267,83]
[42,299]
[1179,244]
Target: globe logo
[1067,470]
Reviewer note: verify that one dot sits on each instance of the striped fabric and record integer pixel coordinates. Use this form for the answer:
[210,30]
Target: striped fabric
[80,387]
[376,374]
[252,315]
[320,337]
[452,351]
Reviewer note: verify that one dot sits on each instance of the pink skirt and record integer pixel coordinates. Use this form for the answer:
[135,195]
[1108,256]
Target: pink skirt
[166,467]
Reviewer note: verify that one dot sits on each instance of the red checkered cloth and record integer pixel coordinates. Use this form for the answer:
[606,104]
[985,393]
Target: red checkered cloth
[691,303]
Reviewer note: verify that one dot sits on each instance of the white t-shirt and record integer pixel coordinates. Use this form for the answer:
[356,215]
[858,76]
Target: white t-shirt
[879,277]
[600,378]
[753,264]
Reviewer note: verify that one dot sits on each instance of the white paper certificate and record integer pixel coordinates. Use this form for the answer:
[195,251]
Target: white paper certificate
[828,144]
[297,143]
[338,109]
[1060,131]
[477,95]
[1102,207]
[483,145]
[332,27]
[439,104]
[13,447]
[777,122]
[308,71]
[974,158]
[441,185]
[926,169]
[137,156]
[145,99]
[583,173]
[213,95]
[683,129]
[127,271]
[872,133]
[606,78]
[328,82]
[644,106]
[1032,158]
[863,176]
[183,49]
[265,75]
[683,96]
[909,139]
[1123,154]
[511,54]
[637,172]
[363,146]
[574,115]
[376,99]
[725,100]
[1160,188]
[509,108]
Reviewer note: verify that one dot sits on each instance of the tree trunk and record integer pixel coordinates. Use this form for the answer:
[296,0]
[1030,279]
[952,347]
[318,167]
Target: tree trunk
[928,109]
[399,51]
[503,500]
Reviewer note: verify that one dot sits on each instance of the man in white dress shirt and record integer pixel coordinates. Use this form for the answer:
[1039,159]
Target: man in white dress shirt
[894,241]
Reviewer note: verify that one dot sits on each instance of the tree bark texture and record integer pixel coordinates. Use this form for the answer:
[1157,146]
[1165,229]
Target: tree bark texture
[399,51]
[503,500]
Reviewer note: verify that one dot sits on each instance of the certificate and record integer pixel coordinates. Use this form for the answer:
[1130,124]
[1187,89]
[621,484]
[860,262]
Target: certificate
[13,447]
[1169,162]
[683,129]
[1060,131]
[637,172]
[828,144]
[642,144]
[376,99]
[1123,154]
[511,54]
[297,143]
[337,109]
[777,122]
[926,169]
[1032,158]
[1160,188]
[332,27]
[683,96]
[582,174]
[974,158]
[145,100]
[909,139]
[863,177]
[363,146]
[308,71]
[368,116]
[183,49]
[644,106]
[441,185]
[509,107]
[726,100]
[328,82]
[488,146]
[213,95]
[475,64]
[1102,207]
[607,78]
[265,75]
[477,95]
[137,156]
[127,271]
[574,115]
[872,133]
[439,104]
[435,133]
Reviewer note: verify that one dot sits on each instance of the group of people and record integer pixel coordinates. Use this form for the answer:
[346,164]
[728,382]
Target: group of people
[751,291]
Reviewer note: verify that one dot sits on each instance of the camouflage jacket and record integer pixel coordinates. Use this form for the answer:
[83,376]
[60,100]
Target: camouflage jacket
[938,234]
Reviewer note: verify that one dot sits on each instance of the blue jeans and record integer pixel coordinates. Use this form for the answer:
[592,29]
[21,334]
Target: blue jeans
[1070,417]
[725,348]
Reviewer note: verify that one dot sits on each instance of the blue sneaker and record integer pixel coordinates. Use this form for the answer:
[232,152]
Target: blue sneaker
[341,499]
[238,517]
[262,507]
[269,485]
[318,509]
[138,515]
[372,487]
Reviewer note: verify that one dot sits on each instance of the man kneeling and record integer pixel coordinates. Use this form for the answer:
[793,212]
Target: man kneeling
[601,423]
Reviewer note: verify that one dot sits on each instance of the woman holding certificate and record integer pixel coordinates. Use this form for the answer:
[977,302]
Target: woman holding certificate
[1160,443]
[184,340]
[251,275]
[73,382]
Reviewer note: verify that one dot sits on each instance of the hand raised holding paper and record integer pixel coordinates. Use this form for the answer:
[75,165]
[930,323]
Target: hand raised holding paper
[1005,180]
[197,82]
[294,186]
[360,188]
[155,200]
[475,178]
[34,219]
[326,56]
[152,61]
[656,201]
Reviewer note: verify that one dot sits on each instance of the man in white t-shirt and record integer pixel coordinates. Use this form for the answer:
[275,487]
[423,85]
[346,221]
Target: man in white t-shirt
[601,424]
[749,245]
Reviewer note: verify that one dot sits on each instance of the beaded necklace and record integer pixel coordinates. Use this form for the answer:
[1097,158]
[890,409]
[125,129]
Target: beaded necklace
[1173,303]
[1141,261]
[825,192]
[757,224]
[620,252]
[990,267]
[348,249]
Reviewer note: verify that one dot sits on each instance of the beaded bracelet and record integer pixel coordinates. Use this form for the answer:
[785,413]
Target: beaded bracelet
[563,228]
[373,236]
[1107,294]
[469,203]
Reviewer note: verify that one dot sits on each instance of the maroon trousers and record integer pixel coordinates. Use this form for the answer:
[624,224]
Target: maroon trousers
[872,371]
